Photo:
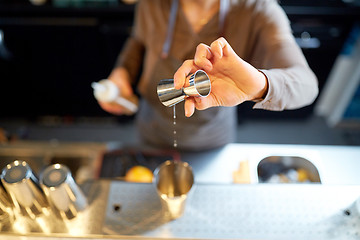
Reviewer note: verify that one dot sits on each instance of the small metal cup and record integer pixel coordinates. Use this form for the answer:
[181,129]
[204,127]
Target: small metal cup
[174,180]
[199,86]
[23,188]
[61,190]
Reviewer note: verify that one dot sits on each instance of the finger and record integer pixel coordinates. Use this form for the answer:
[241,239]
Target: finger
[189,107]
[202,103]
[220,47]
[203,56]
[216,47]
[111,108]
[183,71]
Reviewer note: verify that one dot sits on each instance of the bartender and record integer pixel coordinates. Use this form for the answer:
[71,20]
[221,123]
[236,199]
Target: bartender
[168,32]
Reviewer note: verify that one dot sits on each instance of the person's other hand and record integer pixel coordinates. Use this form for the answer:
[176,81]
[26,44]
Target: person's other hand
[121,79]
[233,80]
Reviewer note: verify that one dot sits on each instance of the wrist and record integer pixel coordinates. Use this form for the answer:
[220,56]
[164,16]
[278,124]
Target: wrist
[119,73]
[264,85]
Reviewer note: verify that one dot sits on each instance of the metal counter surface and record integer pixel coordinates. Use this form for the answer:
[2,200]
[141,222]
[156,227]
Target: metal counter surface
[235,211]
[218,209]
[336,164]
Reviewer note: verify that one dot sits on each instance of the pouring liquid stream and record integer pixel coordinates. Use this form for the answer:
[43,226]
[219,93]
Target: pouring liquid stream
[174,125]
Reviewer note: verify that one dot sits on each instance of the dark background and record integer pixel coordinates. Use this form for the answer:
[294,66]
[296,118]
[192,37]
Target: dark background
[50,54]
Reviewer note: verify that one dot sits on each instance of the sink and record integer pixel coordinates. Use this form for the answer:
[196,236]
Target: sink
[287,169]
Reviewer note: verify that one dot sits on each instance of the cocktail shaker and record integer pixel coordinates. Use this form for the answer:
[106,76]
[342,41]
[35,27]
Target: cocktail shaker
[5,203]
[61,190]
[23,188]
[173,180]
[199,86]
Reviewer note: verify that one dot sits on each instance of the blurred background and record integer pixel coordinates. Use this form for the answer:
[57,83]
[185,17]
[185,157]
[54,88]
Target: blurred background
[52,50]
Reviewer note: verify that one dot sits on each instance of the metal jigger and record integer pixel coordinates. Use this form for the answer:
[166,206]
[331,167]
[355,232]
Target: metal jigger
[23,188]
[200,86]
[174,180]
[61,190]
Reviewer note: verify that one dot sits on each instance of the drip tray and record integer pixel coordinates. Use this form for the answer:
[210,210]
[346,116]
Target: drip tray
[116,163]
[265,211]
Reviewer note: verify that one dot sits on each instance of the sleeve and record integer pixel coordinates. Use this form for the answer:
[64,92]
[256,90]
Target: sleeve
[291,82]
[132,53]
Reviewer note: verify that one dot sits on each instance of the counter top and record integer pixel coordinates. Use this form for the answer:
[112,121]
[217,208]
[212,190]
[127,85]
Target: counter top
[336,164]
[219,209]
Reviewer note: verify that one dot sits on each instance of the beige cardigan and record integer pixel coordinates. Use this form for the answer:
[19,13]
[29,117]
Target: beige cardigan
[259,32]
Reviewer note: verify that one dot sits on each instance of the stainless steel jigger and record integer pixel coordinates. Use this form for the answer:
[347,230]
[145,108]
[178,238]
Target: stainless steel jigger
[174,180]
[23,188]
[61,190]
[200,86]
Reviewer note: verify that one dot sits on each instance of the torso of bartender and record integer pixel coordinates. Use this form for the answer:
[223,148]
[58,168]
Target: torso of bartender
[166,33]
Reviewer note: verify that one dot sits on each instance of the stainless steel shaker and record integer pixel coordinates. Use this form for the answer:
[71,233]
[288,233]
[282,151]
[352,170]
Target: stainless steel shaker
[173,180]
[61,190]
[23,188]
[5,203]
[199,86]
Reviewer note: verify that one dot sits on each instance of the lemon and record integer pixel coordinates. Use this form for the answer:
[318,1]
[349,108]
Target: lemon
[302,175]
[139,174]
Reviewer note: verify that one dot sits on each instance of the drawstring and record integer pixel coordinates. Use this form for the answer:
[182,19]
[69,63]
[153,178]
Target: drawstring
[170,29]
[224,8]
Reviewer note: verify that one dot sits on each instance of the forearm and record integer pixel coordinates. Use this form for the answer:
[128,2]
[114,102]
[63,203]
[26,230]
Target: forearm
[292,84]
[289,88]
[131,58]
